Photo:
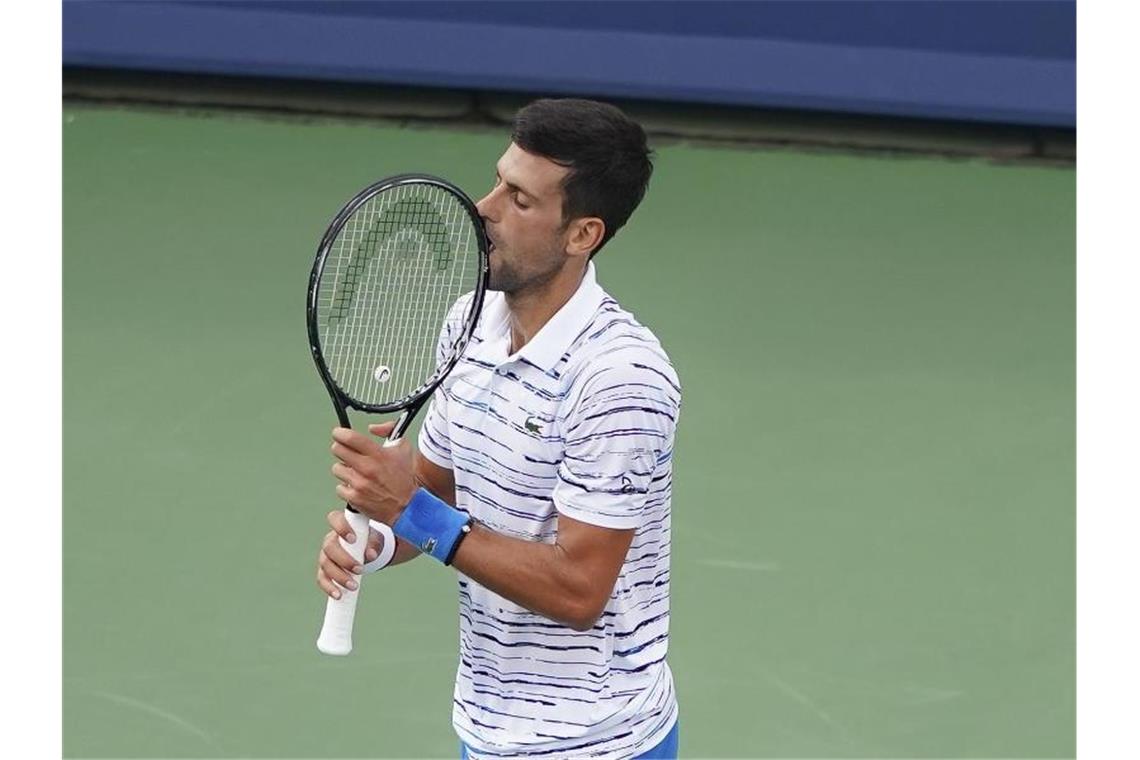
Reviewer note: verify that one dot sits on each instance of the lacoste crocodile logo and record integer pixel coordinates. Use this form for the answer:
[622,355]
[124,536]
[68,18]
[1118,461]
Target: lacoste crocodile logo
[532,424]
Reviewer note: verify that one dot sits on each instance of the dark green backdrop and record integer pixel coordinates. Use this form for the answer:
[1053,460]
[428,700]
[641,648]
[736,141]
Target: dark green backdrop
[874,497]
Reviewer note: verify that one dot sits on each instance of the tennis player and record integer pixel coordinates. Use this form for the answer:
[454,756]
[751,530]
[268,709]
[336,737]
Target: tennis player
[543,472]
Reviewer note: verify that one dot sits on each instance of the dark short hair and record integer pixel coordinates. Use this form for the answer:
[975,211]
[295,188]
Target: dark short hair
[605,150]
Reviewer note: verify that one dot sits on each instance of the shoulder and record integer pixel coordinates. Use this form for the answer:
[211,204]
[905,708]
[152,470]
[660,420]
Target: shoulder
[456,316]
[459,309]
[617,352]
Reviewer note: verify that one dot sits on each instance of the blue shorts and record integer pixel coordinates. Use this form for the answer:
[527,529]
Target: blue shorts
[666,750]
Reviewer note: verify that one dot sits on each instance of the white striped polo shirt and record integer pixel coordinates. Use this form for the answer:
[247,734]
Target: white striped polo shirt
[580,421]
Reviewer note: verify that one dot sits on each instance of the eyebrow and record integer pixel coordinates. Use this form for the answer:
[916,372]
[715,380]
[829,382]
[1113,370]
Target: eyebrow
[514,186]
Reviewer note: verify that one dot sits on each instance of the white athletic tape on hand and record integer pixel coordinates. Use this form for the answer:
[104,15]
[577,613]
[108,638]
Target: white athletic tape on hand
[387,549]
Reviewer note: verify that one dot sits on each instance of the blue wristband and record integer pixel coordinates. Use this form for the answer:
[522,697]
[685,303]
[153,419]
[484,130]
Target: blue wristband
[432,526]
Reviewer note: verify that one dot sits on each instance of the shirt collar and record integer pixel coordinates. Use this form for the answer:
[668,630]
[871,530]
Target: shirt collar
[556,336]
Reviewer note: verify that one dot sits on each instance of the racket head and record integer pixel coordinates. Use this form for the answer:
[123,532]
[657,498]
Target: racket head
[388,270]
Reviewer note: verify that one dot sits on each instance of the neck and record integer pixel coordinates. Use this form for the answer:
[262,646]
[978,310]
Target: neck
[533,308]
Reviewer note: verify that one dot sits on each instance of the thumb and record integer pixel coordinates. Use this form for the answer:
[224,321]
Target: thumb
[383,430]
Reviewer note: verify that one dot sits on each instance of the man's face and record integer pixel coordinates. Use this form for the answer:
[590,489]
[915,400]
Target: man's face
[523,217]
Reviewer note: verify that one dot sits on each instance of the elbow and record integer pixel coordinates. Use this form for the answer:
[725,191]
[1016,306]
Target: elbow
[583,614]
[582,596]
[582,624]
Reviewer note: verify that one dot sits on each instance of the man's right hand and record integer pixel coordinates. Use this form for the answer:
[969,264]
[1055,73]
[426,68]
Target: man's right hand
[336,568]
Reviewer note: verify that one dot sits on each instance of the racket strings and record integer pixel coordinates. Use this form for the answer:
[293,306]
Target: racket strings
[393,272]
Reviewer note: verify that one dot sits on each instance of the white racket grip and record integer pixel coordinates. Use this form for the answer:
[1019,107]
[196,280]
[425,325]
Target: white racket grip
[336,633]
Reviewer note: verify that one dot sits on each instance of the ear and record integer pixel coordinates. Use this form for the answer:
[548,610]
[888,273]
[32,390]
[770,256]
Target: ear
[584,235]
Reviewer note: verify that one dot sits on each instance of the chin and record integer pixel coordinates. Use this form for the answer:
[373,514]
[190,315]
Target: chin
[499,277]
[495,281]
[493,276]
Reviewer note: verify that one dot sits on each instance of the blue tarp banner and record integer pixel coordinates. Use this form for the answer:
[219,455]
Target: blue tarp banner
[998,62]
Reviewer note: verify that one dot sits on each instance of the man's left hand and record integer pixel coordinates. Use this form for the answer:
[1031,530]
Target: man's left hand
[376,480]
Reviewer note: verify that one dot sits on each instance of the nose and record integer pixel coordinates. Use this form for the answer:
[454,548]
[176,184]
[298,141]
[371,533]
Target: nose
[485,205]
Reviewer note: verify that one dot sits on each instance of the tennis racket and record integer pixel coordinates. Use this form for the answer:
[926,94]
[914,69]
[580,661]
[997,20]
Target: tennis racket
[388,271]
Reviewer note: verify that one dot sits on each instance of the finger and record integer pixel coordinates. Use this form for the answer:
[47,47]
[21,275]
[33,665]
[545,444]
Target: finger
[356,441]
[338,554]
[336,573]
[349,456]
[329,586]
[345,474]
[375,544]
[348,495]
[340,525]
[383,429]
[326,585]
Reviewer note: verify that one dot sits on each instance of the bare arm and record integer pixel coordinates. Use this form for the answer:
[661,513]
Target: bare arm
[568,581]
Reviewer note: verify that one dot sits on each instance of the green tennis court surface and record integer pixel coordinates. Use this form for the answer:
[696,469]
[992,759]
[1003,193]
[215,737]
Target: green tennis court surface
[874,498]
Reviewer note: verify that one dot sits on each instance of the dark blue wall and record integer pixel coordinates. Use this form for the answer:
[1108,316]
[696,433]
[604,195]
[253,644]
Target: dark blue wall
[1011,62]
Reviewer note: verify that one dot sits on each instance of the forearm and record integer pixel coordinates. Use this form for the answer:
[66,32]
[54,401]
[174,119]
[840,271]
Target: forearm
[404,553]
[538,576]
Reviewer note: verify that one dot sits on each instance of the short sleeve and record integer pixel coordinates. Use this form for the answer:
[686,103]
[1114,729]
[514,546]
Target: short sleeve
[434,441]
[616,435]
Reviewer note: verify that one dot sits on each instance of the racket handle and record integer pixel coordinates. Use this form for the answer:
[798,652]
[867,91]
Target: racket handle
[336,633]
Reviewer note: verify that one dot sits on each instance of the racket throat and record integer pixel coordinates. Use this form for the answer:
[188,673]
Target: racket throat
[402,423]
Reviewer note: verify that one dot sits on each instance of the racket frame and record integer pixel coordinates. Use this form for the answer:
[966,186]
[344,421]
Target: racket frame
[409,405]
